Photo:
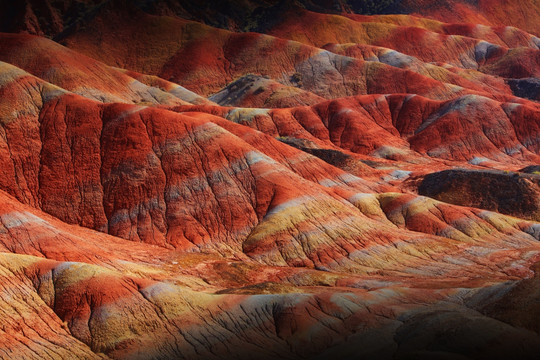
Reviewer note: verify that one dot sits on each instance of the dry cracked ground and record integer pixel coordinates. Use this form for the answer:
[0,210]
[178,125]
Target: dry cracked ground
[269,180]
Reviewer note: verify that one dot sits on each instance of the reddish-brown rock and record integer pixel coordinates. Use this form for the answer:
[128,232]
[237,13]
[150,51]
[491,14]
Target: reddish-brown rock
[280,218]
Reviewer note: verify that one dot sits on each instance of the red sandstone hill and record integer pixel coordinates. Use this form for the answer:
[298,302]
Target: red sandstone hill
[337,184]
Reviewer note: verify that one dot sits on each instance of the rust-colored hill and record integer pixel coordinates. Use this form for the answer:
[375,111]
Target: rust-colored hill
[296,180]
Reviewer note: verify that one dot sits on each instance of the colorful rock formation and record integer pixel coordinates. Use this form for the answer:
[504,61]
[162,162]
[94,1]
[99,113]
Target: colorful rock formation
[349,181]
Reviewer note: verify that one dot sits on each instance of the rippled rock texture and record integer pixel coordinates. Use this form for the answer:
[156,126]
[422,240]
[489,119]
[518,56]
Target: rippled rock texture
[352,180]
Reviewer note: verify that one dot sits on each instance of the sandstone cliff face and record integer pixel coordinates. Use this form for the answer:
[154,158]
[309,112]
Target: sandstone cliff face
[343,186]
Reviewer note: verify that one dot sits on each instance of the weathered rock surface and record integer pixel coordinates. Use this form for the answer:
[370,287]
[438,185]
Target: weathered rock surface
[129,298]
[205,60]
[531,169]
[401,127]
[281,217]
[516,194]
[527,88]
[77,73]
[258,92]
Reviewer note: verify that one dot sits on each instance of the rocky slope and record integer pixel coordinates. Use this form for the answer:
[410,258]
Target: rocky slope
[338,185]
[508,193]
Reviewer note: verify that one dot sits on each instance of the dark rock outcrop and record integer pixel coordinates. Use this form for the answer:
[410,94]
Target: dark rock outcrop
[505,192]
[528,88]
[532,169]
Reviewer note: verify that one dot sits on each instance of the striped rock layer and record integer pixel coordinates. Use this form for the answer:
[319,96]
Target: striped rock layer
[174,190]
